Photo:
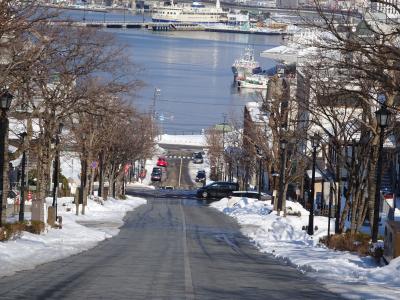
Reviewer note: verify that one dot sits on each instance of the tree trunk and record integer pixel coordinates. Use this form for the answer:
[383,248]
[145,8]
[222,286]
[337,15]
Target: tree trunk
[372,183]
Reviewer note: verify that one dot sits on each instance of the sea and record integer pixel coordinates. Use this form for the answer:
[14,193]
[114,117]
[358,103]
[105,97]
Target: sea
[190,70]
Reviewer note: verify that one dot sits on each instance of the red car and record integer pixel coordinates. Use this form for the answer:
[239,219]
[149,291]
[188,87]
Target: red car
[162,162]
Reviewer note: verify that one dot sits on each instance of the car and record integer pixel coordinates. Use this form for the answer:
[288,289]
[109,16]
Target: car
[218,189]
[162,162]
[251,194]
[197,158]
[201,176]
[157,174]
[12,194]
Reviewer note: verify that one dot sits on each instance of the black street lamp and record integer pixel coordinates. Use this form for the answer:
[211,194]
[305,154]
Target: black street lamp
[5,104]
[382,118]
[23,163]
[315,139]
[56,169]
[283,144]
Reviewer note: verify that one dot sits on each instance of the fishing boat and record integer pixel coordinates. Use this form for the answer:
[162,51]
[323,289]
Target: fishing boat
[246,65]
[254,82]
[196,12]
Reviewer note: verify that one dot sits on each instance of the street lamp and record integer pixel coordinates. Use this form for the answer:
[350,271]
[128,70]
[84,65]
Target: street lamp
[23,163]
[5,104]
[283,144]
[56,169]
[315,139]
[382,118]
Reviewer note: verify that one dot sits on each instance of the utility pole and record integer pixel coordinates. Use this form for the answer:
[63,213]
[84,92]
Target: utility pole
[223,144]
[157,93]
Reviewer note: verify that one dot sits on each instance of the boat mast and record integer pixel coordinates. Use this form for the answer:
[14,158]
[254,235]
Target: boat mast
[217,4]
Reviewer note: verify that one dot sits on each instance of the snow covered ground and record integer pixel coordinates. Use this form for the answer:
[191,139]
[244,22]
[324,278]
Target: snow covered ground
[343,272]
[102,222]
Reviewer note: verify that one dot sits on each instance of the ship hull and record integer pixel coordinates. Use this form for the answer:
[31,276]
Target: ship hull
[240,73]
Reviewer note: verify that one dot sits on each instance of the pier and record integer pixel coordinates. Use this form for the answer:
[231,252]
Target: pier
[166,26]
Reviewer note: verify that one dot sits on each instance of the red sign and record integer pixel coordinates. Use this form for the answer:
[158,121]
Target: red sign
[29,196]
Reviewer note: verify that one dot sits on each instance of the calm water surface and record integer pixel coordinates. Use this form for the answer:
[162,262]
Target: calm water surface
[192,70]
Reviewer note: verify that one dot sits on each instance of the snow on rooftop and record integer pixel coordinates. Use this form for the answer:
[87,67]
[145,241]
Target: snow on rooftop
[190,140]
[256,115]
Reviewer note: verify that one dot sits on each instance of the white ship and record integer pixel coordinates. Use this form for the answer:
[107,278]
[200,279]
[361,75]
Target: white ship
[188,13]
[254,82]
[246,65]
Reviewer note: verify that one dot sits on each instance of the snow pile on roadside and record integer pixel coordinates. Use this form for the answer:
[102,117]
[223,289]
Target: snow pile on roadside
[189,140]
[285,239]
[31,250]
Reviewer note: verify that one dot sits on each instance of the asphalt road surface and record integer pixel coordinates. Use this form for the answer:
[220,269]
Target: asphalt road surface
[175,247]
[178,158]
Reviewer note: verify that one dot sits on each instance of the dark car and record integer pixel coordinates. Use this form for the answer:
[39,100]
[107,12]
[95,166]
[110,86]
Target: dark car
[218,189]
[201,176]
[198,158]
[156,174]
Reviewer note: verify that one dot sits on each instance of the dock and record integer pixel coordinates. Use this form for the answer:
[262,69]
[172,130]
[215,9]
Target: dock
[167,26]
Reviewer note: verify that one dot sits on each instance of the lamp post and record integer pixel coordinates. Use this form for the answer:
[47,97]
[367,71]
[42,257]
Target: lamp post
[56,169]
[382,118]
[5,103]
[283,144]
[314,143]
[23,163]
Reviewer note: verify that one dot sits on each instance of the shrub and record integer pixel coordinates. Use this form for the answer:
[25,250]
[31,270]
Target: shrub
[13,230]
[36,227]
[10,231]
[358,242]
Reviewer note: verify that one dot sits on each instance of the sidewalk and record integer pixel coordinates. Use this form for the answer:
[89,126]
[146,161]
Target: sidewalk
[359,277]
[79,233]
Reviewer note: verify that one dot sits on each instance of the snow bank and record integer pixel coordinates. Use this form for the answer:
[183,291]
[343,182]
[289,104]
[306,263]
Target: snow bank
[31,250]
[189,140]
[285,239]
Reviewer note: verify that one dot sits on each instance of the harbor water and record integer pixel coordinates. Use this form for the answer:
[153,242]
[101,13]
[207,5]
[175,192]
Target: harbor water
[192,70]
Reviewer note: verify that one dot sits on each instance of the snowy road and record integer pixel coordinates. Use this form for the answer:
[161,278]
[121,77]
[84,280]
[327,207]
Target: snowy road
[175,247]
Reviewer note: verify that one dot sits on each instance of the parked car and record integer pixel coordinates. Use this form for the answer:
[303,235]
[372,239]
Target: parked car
[12,194]
[157,174]
[162,162]
[201,176]
[251,194]
[198,158]
[218,189]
